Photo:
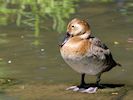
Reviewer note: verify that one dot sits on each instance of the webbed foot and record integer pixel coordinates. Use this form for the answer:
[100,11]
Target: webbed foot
[83,89]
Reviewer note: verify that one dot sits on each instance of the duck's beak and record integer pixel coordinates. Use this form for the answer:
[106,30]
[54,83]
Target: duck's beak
[67,36]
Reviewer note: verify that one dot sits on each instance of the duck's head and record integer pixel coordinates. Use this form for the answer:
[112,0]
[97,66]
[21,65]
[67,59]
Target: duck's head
[78,27]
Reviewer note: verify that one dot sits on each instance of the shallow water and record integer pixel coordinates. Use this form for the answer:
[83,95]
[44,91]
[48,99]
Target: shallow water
[29,59]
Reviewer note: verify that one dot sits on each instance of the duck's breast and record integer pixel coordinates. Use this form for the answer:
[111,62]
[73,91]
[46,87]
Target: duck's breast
[75,47]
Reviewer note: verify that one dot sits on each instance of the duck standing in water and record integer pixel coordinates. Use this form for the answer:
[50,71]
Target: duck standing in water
[85,54]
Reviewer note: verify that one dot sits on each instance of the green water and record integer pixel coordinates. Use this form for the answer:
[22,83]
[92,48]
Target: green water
[28,59]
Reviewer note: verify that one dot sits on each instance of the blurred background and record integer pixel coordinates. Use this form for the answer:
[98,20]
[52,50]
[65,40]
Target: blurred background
[30,31]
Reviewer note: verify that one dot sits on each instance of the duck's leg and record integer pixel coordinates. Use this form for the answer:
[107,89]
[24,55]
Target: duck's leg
[98,79]
[79,87]
[86,88]
[82,83]
[83,87]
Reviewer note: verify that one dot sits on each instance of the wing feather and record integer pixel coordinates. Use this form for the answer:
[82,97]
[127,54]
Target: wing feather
[102,52]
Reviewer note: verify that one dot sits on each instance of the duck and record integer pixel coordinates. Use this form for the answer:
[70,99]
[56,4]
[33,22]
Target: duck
[85,54]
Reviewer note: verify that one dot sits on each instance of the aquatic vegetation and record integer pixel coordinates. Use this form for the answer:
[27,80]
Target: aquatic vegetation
[34,13]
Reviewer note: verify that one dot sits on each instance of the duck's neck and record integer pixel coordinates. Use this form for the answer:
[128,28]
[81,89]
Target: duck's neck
[85,35]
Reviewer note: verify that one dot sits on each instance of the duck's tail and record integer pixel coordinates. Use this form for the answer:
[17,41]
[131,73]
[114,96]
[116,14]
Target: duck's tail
[118,64]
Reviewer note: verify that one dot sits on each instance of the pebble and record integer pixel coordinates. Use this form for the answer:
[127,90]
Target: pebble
[115,42]
[115,93]
[42,50]
[9,61]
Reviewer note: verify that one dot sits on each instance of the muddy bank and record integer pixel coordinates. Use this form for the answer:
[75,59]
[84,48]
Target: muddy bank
[42,91]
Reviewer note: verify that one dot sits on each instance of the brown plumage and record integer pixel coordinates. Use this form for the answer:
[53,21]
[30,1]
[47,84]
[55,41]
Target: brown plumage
[80,48]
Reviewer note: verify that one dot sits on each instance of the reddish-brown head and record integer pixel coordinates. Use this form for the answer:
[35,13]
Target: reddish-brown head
[78,27]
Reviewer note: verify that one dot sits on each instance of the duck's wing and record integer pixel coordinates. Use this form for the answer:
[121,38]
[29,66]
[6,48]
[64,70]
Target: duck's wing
[97,42]
[102,52]
[99,49]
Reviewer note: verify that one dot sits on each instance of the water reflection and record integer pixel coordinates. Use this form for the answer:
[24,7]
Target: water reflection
[34,13]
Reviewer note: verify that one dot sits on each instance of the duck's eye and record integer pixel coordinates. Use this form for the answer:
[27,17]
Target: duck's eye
[72,26]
